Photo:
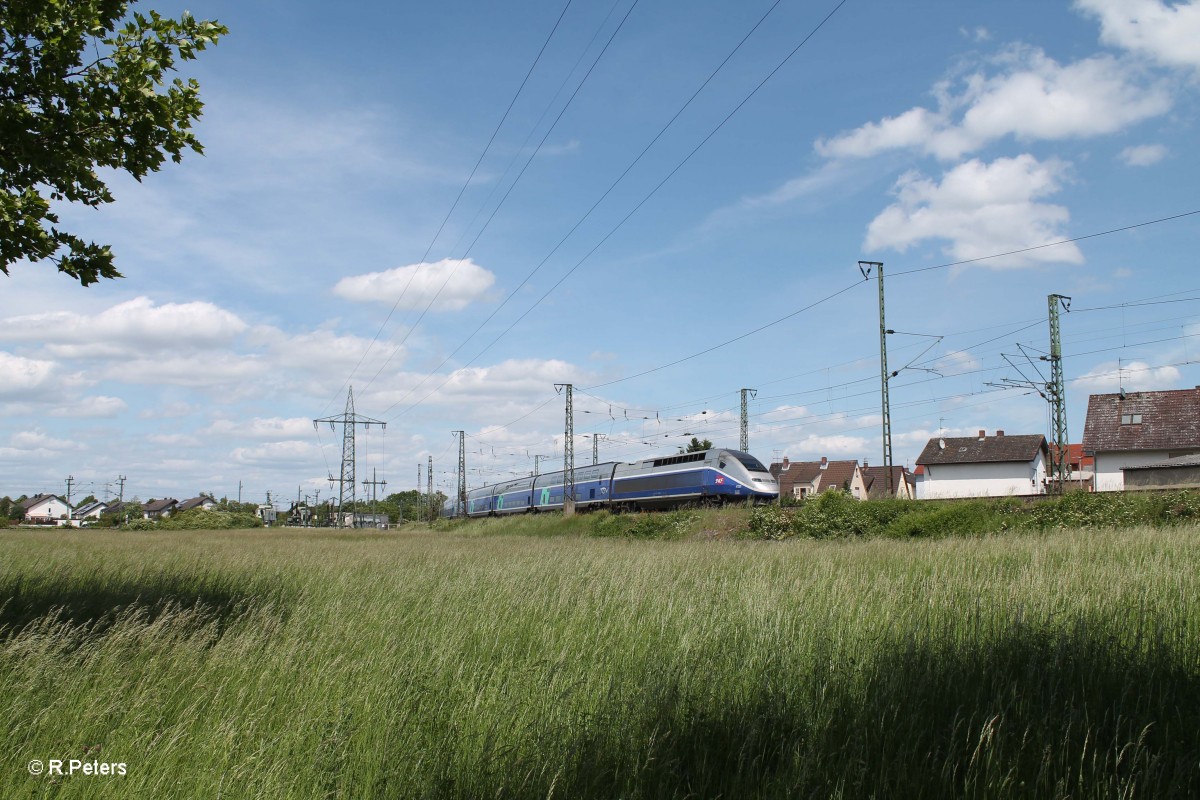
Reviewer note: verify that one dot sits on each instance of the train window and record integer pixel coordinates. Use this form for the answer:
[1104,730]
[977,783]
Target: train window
[750,462]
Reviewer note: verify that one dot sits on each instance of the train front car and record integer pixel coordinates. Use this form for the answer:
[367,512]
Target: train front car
[739,474]
[708,476]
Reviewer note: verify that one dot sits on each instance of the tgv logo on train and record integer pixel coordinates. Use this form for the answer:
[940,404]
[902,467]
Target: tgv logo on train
[715,476]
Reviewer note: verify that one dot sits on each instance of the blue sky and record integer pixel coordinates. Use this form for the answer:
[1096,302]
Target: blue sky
[298,255]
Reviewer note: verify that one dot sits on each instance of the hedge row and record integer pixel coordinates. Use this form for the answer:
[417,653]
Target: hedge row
[836,515]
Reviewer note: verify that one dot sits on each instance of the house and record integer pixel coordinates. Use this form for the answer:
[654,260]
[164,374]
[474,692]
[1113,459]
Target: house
[88,511]
[983,466]
[126,510]
[1081,468]
[1176,473]
[158,509]
[46,509]
[799,479]
[1139,429]
[203,502]
[903,483]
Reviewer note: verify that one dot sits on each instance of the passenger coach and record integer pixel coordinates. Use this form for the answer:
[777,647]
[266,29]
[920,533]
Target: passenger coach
[710,476]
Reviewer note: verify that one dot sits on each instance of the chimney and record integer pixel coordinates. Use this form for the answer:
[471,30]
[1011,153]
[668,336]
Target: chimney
[999,433]
[785,462]
[982,435]
[865,464]
[824,462]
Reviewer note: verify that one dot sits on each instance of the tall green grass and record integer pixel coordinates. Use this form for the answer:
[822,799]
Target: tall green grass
[447,664]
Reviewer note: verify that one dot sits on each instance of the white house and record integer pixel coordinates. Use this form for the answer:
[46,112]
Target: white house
[983,466]
[1138,429]
[89,511]
[46,509]
[203,502]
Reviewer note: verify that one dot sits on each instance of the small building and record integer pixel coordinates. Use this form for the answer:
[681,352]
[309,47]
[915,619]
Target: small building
[89,511]
[1174,473]
[1139,429]
[1081,469]
[160,509]
[983,466]
[267,514]
[203,502]
[903,483]
[802,479]
[46,509]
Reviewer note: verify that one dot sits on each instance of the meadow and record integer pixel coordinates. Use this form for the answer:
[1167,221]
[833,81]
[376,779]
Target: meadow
[457,663]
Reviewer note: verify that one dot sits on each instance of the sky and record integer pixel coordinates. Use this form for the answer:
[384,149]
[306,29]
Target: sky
[452,207]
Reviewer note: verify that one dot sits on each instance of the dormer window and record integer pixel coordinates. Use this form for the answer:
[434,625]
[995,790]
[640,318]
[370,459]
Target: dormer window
[1131,419]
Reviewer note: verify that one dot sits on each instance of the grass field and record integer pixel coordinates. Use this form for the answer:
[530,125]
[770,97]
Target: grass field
[273,664]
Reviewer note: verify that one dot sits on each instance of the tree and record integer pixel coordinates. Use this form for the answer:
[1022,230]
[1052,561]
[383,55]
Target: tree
[696,446]
[80,91]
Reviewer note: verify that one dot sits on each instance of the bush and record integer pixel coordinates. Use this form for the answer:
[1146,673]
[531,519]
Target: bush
[198,519]
[770,522]
[968,517]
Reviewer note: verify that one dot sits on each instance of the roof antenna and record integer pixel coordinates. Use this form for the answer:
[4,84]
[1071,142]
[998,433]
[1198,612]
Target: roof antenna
[1120,381]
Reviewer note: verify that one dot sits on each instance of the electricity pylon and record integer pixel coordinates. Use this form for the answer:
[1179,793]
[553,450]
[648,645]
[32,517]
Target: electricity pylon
[349,420]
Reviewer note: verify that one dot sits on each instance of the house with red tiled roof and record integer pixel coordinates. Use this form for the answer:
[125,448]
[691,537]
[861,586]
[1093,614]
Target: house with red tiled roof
[802,479]
[1133,429]
[983,466]
[903,486]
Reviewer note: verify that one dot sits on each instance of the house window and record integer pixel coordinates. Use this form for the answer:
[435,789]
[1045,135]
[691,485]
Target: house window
[1131,419]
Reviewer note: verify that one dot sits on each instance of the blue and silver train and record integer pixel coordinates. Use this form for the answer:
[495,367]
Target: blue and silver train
[709,476]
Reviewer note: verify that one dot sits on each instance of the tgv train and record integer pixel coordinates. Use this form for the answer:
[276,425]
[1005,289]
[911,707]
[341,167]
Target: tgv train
[716,475]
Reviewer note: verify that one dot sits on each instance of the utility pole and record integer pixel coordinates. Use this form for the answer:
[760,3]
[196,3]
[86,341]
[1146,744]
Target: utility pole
[429,488]
[865,268]
[349,420]
[537,462]
[568,452]
[373,483]
[461,511]
[121,482]
[316,502]
[1060,465]
[744,440]
[239,492]
[596,437]
[70,482]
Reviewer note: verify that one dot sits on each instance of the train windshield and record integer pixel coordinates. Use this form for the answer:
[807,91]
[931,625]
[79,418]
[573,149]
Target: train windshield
[749,462]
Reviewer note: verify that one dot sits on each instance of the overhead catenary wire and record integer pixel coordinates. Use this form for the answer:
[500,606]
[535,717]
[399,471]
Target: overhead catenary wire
[629,215]
[457,199]
[504,197]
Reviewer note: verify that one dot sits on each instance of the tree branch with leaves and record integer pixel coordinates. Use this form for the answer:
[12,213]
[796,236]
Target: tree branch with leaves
[84,86]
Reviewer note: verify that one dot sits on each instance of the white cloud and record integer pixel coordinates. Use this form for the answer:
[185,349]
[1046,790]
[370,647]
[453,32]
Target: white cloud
[23,376]
[36,440]
[450,284]
[271,429]
[175,439]
[96,407]
[127,329]
[1032,98]
[1166,33]
[173,410]
[830,446]
[1143,155]
[1133,376]
[276,453]
[982,209]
